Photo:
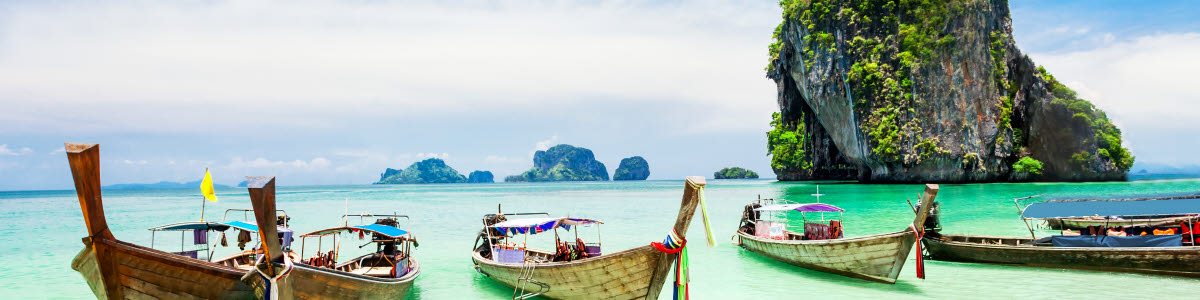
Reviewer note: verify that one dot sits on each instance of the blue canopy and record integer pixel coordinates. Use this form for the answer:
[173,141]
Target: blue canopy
[539,225]
[1111,208]
[192,226]
[384,230]
[243,226]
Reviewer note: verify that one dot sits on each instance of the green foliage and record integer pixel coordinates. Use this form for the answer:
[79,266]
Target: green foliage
[563,163]
[787,144]
[1082,158]
[632,168]
[1028,165]
[1107,135]
[431,170]
[735,173]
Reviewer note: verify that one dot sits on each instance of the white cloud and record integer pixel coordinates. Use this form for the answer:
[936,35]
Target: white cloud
[544,144]
[315,64]
[135,162]
[4,150]
[266,164]
[59,150]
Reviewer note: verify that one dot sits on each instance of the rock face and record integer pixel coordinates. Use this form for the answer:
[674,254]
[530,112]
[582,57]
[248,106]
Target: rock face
[932,91]
[480,177]
[431,170]
[735,173]
[563,163]
[633,168]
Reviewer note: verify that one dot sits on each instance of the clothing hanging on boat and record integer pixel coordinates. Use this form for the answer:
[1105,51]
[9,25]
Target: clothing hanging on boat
[223,242]
[200,236]
[243,238]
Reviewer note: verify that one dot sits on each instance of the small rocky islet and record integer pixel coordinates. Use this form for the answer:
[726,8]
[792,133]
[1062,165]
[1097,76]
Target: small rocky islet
[432,170]
[563,163]
[632,168]
[735,173]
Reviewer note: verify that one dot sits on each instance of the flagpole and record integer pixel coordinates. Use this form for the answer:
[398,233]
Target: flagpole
[203,201]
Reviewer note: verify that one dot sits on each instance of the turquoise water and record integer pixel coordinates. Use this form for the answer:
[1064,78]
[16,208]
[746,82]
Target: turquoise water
[42,232]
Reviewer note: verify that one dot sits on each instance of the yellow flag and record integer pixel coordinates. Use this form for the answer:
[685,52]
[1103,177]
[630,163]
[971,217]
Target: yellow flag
[206,187]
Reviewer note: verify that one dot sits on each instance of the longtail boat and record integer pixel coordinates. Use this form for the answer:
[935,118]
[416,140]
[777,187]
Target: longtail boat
[391,262]
[115,269]
[585,273]
[282,279]
[1167,249]
[821,247]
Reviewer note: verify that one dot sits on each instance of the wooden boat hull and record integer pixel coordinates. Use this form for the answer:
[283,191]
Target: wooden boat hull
[1177,261]
[623,275]
[307,282]
[137,272]
[876,257]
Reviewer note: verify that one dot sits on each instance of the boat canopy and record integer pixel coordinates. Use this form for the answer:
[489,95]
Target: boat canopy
[1111,208]
[539,225]
[243,226]
[803,207]
[211,226]
[384,230]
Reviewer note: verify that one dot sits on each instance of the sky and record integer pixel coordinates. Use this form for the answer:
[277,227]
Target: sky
[334,92]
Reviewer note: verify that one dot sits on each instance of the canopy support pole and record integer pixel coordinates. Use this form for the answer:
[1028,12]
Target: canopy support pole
[1030,228]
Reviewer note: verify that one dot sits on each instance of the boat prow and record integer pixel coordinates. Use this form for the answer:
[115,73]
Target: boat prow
[117,270]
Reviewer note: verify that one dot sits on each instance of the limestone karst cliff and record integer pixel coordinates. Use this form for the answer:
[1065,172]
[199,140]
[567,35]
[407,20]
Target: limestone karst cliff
[919,91]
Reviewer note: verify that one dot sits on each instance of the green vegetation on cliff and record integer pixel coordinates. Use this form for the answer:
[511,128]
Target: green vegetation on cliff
[917,90]
[1107,135]
[1028,165]
[734,173]
[786,144]
[563,163]
[633,168]
[431,170]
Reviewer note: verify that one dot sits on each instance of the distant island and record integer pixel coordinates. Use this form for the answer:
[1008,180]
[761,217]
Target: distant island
[563,163]
[431,170]
[159,185]
[735,173]
[633,168]
[481,177]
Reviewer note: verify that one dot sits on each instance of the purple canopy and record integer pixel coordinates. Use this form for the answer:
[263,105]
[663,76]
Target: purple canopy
[806,207]
[818,207]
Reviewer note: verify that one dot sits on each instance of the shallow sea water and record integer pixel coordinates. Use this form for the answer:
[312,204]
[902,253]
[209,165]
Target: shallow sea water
[41,233]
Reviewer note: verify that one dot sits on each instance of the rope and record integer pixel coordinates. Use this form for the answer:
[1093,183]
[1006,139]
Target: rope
[269,283]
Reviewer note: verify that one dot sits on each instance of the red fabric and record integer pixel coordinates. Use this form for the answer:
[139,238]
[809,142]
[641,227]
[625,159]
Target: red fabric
[664,249]
[920,256]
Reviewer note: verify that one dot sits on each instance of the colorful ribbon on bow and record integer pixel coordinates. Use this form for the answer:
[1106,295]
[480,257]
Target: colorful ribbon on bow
[270,290]
[920,256]
[674,244]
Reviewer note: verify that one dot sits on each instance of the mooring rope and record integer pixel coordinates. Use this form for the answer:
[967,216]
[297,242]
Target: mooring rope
[920,256]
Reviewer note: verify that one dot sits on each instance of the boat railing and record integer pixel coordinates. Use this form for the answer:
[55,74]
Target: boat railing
[246,215]
[407,220]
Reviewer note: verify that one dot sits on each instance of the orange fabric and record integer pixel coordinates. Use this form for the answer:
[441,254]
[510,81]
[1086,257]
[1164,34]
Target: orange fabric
[1167,231]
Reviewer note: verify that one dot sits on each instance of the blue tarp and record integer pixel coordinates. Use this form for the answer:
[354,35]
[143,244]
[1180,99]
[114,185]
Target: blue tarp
[1174,240]
[243,226]
[1107,208]
[389,231]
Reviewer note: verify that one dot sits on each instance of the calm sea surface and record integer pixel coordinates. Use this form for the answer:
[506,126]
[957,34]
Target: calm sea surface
[41,233]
